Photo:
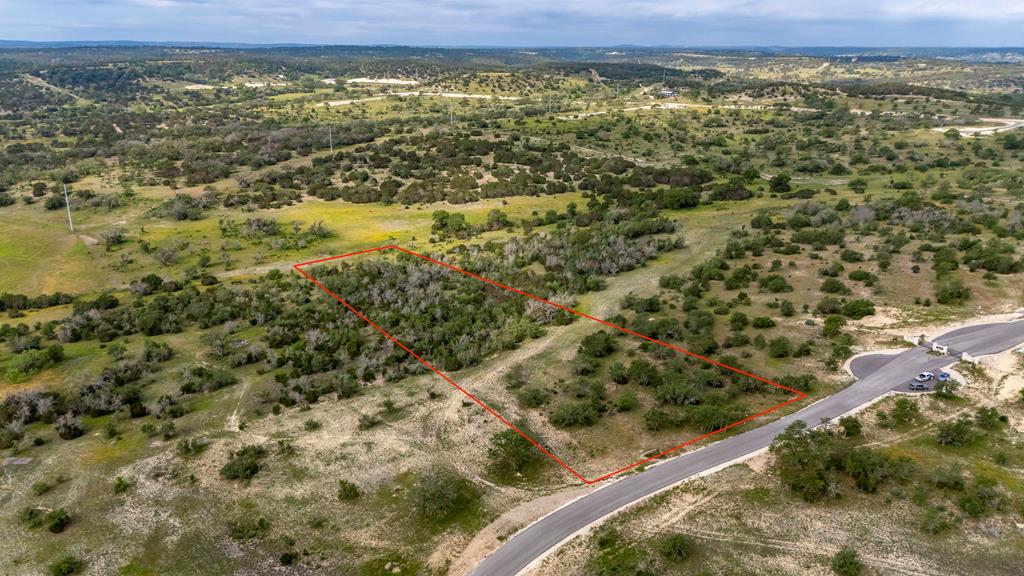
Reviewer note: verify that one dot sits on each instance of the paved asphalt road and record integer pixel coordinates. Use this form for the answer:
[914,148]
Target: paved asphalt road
[549,532]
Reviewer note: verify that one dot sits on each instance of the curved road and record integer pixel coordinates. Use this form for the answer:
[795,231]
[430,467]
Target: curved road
[883,374]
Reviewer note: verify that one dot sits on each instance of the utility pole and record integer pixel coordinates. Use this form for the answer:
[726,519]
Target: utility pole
[330,138]
[67,203]
[549,104]
[451,115]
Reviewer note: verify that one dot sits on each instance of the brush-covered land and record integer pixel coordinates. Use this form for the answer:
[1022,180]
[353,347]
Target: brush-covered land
[176,399]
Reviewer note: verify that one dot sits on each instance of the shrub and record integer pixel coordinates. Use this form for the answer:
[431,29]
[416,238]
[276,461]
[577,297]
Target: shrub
[367,421]
[959,432]
[947,390]
[952,292]
[244,463]
[858,309]
[851,426]
[763,322]
[248,527]
[780,347]
[533,397]
[834,286]
[677,547]
[903,412]
[347,490]
[935,521]
[774,283]
[846,562]
[574,414]
[617,373]
[626,401]
[440,493]
[511,453]
[597,345]
[989,418]
[121,485]
[786,308]
[981,498]
[850,255]
[66,566]
[57,520]
[833,325]
[780,183]
[69,427]
[644,373]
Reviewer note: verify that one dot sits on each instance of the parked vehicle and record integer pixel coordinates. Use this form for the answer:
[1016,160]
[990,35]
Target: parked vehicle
[924,376]
[918,386]
[943,376]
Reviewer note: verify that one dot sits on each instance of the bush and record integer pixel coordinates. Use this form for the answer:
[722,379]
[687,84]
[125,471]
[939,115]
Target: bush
[834,286]
[780,347]
[981,498]
[677,547]
[66,566]
[511,453]
[574,414]
[947,390]
[644,373]
[597,345]
[347,490]
[846,562]
[626,401]
[58,520]
[440,493]
[851,426]
[989,418]
[959,432]
[952,292]
[244,463]
[69,427]
[833,325]
[121,485]
[763,322]
[935,521]
[858,309]
[775,284]
[533,397]
[248,527]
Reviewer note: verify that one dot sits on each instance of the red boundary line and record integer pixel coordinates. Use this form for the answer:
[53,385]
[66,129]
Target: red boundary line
[799,395]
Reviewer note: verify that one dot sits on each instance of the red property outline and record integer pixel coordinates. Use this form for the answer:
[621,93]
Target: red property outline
[799,395]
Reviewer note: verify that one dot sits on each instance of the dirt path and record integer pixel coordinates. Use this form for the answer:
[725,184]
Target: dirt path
[44,84]
[234,420]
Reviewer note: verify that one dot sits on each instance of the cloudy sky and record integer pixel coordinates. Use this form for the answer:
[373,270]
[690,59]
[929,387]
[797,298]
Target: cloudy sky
[524,22]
